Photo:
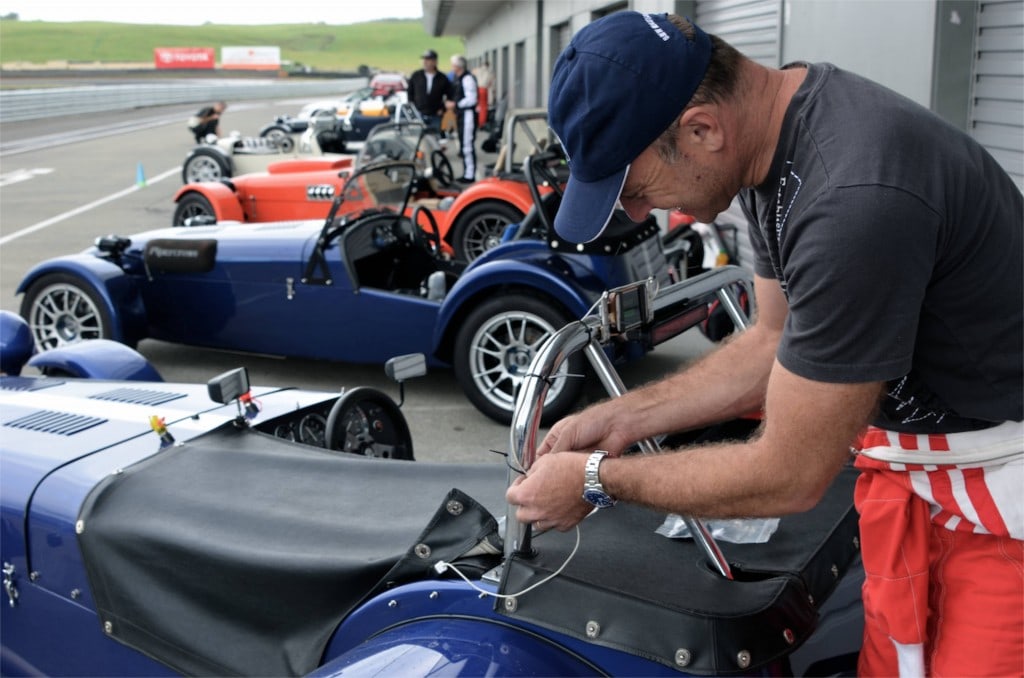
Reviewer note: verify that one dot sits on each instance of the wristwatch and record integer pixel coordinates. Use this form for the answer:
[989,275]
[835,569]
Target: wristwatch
[593,490]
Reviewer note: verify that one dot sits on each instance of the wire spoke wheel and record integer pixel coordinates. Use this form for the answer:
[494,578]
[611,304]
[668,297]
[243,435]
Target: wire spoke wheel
[205,164]
[483,234]
[481,228]
[203,168]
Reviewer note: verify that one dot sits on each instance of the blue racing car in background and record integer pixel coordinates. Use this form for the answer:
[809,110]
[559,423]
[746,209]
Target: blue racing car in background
[357,288]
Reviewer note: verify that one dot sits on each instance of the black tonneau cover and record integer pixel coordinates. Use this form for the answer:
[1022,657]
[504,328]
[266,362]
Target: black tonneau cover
[239,553]
[632,589]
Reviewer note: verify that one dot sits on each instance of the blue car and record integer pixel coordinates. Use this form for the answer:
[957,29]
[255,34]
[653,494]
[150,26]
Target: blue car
[155,529]
[97,359]
[357,288]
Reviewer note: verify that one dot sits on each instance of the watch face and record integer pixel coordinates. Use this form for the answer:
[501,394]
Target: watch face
[598,498]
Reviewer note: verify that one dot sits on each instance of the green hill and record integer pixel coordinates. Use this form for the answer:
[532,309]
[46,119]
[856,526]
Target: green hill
[386,45]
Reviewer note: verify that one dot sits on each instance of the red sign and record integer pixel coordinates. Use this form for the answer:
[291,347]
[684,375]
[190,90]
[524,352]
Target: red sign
[183,57]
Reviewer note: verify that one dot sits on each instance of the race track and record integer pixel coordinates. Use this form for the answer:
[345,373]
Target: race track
[65,181]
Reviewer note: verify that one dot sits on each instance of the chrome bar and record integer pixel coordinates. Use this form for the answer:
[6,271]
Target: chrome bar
[526,418]
[732,307]
[584,335]
[615,388]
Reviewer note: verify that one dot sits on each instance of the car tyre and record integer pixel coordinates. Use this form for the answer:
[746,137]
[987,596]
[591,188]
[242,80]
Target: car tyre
[480,227]
[62,309]
[495,346]
[192,205]
[205,164]
[280,138]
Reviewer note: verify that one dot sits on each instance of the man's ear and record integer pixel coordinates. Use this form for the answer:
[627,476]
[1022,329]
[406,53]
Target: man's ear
[701,126]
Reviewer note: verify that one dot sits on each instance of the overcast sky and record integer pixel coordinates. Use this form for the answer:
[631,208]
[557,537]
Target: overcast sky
[196,12]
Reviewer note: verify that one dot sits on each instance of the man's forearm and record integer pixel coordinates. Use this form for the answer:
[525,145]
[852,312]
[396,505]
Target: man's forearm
[727,383]
[786,468]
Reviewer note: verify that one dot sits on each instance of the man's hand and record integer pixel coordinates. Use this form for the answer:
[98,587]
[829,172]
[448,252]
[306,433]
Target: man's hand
[550,495]
[589,430]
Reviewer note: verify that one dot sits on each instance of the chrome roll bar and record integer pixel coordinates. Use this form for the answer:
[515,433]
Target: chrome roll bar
[586,335]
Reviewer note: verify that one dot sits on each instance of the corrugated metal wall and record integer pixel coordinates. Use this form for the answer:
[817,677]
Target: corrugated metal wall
[997,99]
[754,27]
[751,26]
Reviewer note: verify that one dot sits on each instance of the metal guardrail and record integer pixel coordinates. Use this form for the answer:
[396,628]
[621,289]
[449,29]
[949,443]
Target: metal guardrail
[32,104]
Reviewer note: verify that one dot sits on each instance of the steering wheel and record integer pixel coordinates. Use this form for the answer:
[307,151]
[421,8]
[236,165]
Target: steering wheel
[431,239]
[545,169]
[534,175]
[442,168]
[367,422]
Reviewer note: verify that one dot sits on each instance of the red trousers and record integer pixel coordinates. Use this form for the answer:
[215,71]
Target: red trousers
[942,596]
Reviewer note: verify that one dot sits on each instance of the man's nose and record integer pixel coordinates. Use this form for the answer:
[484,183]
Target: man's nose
[635,209]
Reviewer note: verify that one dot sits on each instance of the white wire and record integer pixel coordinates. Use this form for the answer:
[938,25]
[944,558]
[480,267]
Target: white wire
[441,566]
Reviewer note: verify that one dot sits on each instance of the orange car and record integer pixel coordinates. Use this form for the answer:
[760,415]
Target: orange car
[470,221]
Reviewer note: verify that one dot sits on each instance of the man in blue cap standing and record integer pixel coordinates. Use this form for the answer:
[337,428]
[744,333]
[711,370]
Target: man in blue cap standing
[888,260]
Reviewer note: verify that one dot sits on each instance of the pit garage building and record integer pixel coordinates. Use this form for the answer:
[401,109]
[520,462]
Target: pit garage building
[964,59]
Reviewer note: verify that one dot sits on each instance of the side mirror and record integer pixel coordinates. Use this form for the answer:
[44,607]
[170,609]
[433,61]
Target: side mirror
[405,367]
[228,386]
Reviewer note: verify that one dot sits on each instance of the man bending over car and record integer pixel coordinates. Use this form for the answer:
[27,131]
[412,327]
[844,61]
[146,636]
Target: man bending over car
[206,121]
[889,294]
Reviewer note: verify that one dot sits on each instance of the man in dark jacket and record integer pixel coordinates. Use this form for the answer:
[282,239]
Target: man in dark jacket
[428,89]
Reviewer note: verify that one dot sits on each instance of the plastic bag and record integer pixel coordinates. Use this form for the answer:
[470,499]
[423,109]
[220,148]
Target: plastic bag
[734,530]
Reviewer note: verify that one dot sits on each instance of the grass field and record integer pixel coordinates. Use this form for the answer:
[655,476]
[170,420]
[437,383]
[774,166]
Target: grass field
[381,45]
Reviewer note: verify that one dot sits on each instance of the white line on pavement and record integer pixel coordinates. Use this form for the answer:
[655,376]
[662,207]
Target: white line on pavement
[85,208]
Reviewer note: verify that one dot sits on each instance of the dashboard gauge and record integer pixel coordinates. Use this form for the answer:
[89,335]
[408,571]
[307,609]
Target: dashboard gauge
[284,431]
[312,429]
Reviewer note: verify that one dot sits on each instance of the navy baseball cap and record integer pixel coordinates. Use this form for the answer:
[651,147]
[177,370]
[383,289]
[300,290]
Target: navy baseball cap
[619,84]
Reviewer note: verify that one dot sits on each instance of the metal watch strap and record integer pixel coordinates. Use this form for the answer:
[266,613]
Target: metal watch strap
[593,490]
[591,472]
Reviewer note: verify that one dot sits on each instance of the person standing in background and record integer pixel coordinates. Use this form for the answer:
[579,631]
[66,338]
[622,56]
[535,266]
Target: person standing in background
[463,101]
[485,89]
[428,89]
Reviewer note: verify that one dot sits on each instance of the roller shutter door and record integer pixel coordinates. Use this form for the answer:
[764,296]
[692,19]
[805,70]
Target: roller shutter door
[754,28]
[997,99]
[751,26]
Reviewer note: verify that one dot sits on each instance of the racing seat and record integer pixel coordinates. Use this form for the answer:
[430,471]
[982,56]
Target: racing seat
[383,251]
[323,135]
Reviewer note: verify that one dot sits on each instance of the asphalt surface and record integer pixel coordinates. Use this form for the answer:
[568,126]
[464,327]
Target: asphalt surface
[65,181]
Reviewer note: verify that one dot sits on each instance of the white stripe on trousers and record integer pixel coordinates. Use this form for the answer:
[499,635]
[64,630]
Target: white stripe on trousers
[988,464]
[467,137]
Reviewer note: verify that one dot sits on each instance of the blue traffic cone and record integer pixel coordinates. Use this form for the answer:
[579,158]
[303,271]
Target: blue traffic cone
[140,176]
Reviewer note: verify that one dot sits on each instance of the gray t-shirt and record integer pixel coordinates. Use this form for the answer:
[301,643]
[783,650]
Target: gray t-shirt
[897,240]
